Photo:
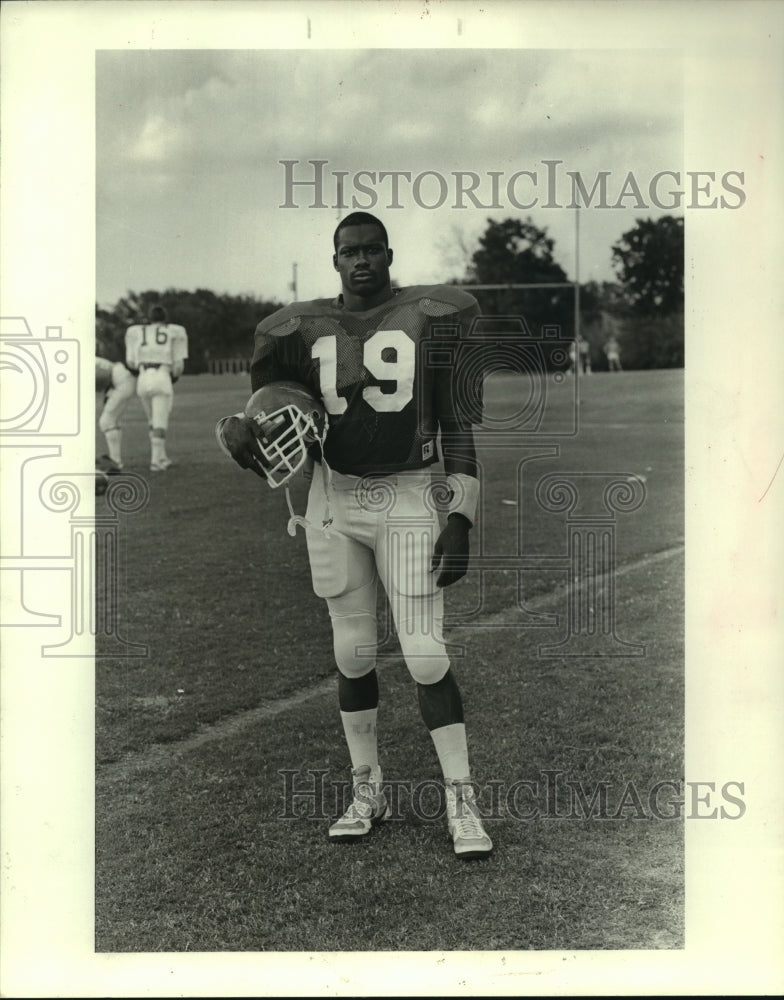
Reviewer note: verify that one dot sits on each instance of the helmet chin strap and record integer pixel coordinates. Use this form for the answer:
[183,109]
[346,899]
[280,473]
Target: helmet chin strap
[295,520]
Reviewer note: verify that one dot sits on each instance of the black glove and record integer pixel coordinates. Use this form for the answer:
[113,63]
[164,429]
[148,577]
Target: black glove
[239,436]
[452,547]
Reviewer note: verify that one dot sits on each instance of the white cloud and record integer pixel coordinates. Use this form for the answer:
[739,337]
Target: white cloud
[157,141]
[190,142]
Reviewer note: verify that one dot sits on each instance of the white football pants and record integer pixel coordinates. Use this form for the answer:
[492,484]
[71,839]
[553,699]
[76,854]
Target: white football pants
[383,527]
[117,397]
[154,389]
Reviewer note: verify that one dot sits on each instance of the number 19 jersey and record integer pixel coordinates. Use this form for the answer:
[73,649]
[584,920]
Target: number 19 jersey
[385,402]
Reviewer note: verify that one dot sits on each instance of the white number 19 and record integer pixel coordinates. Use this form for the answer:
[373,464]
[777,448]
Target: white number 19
[400,371]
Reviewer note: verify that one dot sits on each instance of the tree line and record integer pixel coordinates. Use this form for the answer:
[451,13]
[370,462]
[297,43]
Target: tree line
[218,326]
[644,306]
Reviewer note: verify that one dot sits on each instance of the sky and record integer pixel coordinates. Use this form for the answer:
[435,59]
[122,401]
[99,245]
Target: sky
[189,143]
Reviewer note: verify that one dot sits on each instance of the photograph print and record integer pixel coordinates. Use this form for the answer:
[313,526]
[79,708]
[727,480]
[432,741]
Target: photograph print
[390,357]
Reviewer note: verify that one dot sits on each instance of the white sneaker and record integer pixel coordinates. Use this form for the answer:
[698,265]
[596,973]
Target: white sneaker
[161,466]
[368,807]
[465,826]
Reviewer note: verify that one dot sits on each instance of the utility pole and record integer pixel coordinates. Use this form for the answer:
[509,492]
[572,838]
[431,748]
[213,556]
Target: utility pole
[293,284]
[577,272]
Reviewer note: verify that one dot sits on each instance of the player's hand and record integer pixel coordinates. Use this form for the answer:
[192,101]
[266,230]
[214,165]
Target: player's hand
[239,436]
[451,551]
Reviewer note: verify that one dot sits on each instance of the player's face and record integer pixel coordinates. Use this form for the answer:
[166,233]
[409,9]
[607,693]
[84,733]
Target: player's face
[362,260]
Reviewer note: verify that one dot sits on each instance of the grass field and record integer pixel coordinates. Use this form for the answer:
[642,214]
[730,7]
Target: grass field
[199,846]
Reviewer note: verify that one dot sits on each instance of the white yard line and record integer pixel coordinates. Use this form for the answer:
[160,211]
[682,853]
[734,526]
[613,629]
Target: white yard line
[163,754]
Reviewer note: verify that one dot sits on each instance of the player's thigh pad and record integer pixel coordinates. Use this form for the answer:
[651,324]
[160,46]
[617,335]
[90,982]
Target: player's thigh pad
[343,571]
[339,565]
[122,380]
[155,391]
[116,400]
[145,384]
[354,630]
[405,536]
[154,382]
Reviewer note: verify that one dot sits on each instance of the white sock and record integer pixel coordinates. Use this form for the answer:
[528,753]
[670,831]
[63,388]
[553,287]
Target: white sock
[361,738]
[452,748]
[113,443]
[158,448]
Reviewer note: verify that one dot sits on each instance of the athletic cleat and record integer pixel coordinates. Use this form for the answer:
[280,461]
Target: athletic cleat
[161,466]
[465,826]
[368,807]
[108,465]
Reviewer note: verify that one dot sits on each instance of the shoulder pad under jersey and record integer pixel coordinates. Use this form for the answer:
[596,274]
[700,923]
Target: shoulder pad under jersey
[440,300]
[288,319]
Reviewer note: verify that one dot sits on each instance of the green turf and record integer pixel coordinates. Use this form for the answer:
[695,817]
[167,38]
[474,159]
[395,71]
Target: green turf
[192,852]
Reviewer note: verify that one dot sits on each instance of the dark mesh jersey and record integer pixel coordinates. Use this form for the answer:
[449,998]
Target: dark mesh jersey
[385,401]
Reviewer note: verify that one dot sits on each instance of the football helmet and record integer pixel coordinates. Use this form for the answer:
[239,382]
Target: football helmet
[289,419]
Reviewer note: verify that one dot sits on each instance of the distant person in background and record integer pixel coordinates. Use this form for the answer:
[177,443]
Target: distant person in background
[585,354]
[158,350]
[612,350]
[118,385]
[579,348]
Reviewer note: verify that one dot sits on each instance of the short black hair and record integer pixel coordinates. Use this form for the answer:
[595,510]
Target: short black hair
[158,314]
[360,219]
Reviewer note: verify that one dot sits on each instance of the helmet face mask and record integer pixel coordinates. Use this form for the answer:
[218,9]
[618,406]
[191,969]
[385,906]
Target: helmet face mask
[287,432]
[289,420]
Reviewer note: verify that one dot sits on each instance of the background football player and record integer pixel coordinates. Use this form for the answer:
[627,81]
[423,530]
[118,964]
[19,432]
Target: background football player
[372,516]
[158,351]
[118,385]
[613,351]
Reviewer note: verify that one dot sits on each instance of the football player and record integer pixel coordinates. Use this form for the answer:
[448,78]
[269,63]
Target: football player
[585,355]
[158,350]
[613,351]
[371,515]
[579,354]
[118,385]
